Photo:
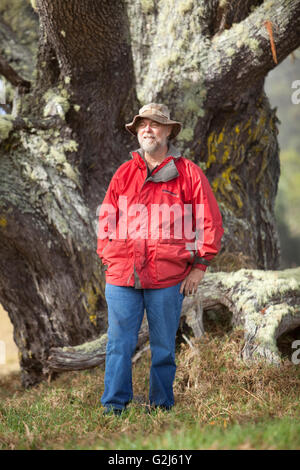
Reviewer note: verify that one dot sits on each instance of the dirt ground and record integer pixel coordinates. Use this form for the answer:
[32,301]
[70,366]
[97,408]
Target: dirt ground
[8,350]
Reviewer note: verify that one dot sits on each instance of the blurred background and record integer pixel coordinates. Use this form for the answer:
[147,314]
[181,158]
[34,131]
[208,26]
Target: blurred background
[278,87]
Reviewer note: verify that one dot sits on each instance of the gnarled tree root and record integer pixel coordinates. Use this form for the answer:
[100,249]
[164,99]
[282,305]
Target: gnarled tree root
[266,304]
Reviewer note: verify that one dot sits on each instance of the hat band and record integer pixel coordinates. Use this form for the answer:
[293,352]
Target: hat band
[153,112]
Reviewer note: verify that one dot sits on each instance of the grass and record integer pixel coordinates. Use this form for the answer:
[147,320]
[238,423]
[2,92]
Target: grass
[276,434]
[221,403]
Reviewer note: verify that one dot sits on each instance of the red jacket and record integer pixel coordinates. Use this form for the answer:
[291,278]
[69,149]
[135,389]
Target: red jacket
[148,235]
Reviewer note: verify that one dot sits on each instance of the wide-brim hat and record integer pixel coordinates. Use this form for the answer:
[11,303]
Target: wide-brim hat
[158,113]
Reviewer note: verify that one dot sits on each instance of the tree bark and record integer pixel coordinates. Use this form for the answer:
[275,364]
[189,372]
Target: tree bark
[51,278]
[229,127]
[97,62]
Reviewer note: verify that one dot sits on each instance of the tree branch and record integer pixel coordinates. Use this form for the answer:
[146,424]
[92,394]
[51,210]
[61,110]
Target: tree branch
[265,304]
[13,77]
[243,54]
[42,124]
[8,124]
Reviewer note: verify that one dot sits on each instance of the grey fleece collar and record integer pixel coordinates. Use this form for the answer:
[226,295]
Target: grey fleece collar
[168,171]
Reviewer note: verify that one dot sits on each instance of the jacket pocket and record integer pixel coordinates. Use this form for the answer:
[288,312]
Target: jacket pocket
[115,256]
[172,259]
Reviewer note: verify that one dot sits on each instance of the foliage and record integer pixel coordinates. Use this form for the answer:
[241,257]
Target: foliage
[279,89]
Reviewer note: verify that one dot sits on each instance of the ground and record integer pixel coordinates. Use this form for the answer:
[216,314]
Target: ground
[221,403]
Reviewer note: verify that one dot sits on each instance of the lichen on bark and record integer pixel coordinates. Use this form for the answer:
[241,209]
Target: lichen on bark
[204,61]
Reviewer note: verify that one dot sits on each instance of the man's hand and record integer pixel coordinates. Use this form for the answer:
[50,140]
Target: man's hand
[190,284]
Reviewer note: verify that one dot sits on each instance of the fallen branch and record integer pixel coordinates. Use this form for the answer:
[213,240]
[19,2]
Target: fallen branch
[188,341]
[139,354]
[265,304]
[87,355]
[84,356]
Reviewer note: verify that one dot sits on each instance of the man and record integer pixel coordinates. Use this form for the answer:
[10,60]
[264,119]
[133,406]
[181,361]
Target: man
[159,226]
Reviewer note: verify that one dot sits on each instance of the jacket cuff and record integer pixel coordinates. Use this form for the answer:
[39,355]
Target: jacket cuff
[202,267]
[200,263]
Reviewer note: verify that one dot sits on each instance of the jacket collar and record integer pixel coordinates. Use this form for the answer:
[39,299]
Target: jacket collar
[167,170]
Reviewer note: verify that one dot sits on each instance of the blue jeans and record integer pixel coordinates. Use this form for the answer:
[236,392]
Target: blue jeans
[125,314]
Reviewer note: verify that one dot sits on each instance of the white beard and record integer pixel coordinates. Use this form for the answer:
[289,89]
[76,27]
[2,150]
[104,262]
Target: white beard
[151,145]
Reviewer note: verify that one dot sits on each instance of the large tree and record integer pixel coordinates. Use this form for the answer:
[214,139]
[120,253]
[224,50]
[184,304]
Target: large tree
[97,63]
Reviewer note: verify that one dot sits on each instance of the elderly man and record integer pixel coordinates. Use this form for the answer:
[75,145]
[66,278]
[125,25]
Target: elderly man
[159,227]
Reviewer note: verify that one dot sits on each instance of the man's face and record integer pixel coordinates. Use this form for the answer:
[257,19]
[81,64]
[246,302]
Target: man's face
[152,136]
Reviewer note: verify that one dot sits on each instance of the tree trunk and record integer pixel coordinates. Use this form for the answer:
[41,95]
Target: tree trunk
[97,62]
[52,282]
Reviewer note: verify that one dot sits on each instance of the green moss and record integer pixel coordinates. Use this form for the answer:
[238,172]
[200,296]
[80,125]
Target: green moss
[3,222]
[52,148]
[91,293]
[59,156]
[223,185]
[70,146]
[6,126]
[211,147]
[254,44]
[184,6]
[7,91]
[230,51]
[202,165]
[33,4]
[72,174]
[147,6]
[269,4]
[239,28]
[56,104]
[44,147]
[263,314]
[186,134]
[89,347]
[173,50]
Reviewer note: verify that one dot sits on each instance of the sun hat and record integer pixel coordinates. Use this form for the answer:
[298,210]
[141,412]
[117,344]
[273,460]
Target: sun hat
[158,113]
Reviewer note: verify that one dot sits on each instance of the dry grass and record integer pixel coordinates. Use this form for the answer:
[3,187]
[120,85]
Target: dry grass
[214,392]
[213,380]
